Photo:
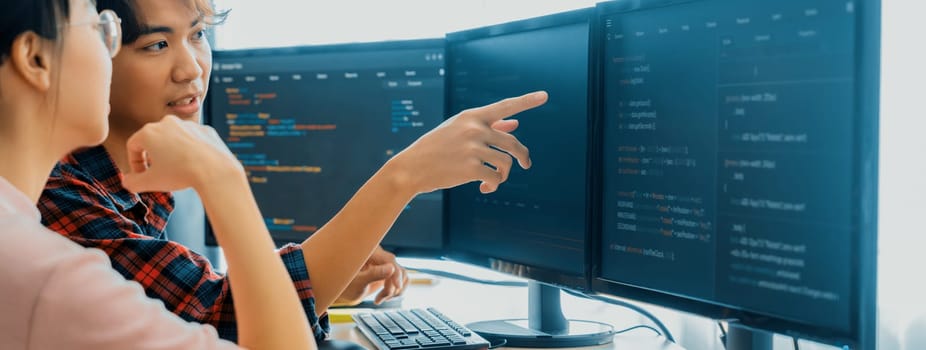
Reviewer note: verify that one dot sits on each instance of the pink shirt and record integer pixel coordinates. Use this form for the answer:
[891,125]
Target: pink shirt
[55,294]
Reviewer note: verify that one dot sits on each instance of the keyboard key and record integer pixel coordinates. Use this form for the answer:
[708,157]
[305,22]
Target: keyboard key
[439,339]
[403,323]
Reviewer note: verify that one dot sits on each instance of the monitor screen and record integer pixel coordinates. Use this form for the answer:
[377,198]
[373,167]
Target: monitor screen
[733,156]
[536,223]
[312,124]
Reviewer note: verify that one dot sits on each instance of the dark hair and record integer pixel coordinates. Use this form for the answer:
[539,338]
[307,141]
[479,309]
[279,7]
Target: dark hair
[132,26]
[43,17]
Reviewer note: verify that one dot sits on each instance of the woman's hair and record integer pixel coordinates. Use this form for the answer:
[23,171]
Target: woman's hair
[46,18]
[132,26]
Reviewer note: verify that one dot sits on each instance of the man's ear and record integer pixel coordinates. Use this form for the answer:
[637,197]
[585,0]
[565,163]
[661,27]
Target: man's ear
[30,57]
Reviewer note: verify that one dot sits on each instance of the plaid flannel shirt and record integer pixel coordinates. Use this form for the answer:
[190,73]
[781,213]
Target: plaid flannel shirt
[85,201]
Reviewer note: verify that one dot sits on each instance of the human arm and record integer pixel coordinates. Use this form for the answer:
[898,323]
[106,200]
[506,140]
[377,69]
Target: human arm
[174,154]
[454,153]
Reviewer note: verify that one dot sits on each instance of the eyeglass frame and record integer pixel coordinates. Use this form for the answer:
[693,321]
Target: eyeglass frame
[101,24]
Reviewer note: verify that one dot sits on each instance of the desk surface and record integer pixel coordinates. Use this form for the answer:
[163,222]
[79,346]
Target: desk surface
[349,332]
[345,331]
[468,302]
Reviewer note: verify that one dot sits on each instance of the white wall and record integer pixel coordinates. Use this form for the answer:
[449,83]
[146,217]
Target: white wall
[287,22]
[902,232]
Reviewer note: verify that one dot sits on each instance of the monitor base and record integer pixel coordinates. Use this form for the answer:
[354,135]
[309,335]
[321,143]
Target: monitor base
[545,327]
[742,338]
[517,333]
[334,344]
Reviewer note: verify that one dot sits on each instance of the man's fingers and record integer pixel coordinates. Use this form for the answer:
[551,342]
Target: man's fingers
[507,125]
[385,294]
[500,160]
[405,282]
[511,106]
[402,282]
[486,188]
[381,297]
[509,143]
[397,280]
[375,273]
[490,179]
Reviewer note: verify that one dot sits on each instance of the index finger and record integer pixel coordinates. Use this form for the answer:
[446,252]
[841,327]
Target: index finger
[511,106]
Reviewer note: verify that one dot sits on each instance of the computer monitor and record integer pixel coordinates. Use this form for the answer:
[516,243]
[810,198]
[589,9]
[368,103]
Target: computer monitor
[535,225]
[312,124]
[740,144]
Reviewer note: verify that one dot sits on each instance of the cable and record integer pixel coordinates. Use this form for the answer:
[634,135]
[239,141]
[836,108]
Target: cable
[723,334]
[655,320]
[625,330]
[460,277]
[500,344]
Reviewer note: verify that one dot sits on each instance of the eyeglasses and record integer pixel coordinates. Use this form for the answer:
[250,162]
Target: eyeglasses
[110,28]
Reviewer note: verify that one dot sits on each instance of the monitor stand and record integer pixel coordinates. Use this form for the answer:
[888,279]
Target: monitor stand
[546,327]
[334,344]
[741,338]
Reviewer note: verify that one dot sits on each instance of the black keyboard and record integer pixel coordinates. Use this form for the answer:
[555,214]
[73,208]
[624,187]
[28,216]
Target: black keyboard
[416,329]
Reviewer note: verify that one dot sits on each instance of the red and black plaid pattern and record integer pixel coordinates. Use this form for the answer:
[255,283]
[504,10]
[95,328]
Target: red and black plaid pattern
[85,201]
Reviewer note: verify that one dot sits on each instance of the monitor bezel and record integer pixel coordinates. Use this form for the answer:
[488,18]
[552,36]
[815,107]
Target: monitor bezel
[557,278]
[359,47]
[862,333]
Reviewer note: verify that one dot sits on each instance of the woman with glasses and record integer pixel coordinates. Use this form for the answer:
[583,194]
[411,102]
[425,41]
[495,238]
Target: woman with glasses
[164,68]
[55,74]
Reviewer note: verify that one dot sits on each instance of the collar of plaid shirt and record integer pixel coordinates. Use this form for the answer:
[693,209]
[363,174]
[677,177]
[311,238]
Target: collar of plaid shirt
[96,166]
[97,162]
